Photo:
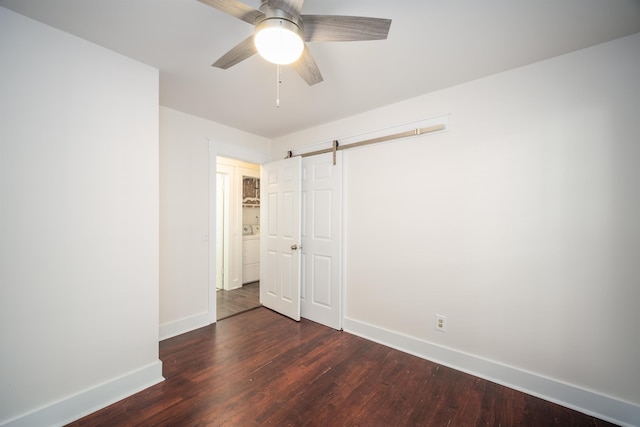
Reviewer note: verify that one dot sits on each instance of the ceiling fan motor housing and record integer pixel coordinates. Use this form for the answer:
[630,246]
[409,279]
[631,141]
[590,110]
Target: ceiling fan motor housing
[274,13]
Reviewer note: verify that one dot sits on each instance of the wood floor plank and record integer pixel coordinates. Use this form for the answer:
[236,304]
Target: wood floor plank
[260,368]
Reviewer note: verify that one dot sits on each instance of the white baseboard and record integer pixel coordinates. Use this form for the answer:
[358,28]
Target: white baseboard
[585,401]
[91,400]
[187,324]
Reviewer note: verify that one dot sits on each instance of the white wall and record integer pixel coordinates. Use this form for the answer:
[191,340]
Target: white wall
[523,231]
[188,147]
[78,225]
[251,215]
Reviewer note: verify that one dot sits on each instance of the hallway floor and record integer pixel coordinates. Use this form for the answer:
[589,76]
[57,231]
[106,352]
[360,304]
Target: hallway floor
[236,301]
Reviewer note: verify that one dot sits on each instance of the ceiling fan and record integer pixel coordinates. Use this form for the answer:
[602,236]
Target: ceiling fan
[281,32]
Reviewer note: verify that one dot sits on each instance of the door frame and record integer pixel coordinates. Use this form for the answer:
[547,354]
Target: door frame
[222,262]
[224,149]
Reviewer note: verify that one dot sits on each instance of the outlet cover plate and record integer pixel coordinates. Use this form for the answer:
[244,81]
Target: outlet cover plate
[441,323]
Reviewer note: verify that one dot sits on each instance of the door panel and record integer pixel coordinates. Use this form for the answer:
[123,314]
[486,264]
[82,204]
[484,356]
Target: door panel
[321,240]
[280,236]
[321,280]
[285,279]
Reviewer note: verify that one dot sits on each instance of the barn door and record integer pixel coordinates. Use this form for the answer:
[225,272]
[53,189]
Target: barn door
[321,239]
[280,243]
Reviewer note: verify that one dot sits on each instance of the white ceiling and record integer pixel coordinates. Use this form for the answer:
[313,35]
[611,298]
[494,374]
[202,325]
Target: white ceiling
[432,44]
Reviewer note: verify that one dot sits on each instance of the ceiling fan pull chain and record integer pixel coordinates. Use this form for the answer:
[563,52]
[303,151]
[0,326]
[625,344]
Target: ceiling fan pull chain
[278,81]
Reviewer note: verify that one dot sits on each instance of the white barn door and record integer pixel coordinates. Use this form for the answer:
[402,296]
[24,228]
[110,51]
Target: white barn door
[280,189]
[321,298]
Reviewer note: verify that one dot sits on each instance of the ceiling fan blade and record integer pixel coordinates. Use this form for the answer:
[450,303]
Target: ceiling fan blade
[307,68]
[240,52]
[292,7]
[236,9]
[337,28]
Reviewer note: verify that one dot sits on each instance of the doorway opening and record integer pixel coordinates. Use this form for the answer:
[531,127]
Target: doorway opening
[237,237]
[320,273]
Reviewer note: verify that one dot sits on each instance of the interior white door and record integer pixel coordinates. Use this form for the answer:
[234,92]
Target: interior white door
[322,239]
[280,188]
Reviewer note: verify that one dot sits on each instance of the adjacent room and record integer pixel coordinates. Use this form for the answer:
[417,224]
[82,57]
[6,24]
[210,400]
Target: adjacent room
[237,253]
[427,217]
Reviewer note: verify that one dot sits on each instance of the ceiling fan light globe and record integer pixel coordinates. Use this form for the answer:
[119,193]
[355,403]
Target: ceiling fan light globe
[278,41]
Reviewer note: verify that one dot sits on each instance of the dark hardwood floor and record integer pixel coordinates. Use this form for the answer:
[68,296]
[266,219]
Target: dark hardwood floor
[229,303]
[260,368]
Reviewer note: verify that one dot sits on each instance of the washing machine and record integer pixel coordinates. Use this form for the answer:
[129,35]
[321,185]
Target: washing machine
[250,253]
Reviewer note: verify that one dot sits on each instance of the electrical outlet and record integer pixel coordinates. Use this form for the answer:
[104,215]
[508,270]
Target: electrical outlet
[441,323]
